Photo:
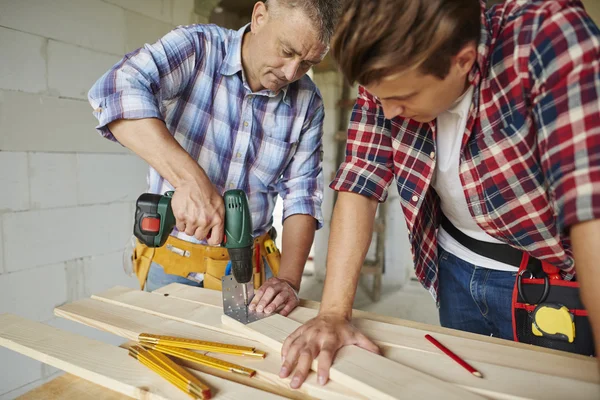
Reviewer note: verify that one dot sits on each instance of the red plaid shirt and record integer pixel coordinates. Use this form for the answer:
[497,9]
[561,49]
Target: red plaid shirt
[530,157]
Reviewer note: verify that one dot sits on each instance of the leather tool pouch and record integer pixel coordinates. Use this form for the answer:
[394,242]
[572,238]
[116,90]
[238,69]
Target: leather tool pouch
[534,289]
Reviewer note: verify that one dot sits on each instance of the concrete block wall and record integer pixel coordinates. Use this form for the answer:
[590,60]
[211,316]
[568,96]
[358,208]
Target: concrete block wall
[68,195]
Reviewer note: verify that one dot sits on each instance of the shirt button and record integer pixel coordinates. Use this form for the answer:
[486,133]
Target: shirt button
[238,155]
[230,185]
[246,124]
[415,198]
[432,155]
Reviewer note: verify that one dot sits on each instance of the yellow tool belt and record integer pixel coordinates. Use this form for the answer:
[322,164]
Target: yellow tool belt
[179,257]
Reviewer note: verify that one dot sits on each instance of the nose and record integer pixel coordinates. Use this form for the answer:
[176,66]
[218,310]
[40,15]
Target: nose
[290,69]
[391,110]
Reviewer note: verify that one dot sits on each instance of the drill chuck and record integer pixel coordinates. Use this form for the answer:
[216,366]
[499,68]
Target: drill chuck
[241,264]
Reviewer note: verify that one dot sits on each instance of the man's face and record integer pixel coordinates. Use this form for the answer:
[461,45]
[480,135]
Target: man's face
[286,46]
[421,97]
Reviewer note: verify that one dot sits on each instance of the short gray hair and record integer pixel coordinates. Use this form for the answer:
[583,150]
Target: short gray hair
[324,13]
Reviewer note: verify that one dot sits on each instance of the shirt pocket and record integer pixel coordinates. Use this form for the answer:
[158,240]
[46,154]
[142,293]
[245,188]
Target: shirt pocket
[272,159]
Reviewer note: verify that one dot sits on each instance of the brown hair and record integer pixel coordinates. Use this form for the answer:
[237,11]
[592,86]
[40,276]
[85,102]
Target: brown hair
[378,38]
[323,13]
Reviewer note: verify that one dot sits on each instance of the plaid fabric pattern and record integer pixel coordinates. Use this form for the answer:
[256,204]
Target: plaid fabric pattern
[264,143]
[530,163]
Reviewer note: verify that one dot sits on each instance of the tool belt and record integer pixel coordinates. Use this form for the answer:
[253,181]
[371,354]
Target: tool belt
[546,310]
[180,257]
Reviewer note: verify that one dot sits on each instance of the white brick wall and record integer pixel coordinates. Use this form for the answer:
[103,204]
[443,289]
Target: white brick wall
[14,181]
[33,122]
[33,293]
[105,271]
[25,68]
[17,370]
[183,12]
[89,23]
[69,194]
[36,238]
[105,178]
[72,70]
[142,29]
[157,9]
[53,179]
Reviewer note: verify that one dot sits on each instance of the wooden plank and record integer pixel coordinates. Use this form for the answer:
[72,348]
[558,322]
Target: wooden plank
[501,382]
[103,364]
[472,347]
[373,375]
[143,301]
[69,386]
[165,306]
[129,323]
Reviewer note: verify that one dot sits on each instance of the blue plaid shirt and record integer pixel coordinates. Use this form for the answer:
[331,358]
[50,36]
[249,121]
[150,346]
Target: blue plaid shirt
[265,143]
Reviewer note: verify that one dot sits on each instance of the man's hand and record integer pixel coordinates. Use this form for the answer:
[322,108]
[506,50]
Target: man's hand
[197,206]
[274,294]
[199,210]
[320,339]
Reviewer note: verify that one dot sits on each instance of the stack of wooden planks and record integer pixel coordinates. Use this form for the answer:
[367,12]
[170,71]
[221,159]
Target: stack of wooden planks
[411,368]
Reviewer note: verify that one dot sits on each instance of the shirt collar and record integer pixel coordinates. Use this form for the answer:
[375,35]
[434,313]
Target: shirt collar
[232,64]
[482,49]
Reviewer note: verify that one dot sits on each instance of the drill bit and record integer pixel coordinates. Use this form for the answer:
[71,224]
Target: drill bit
[245,292]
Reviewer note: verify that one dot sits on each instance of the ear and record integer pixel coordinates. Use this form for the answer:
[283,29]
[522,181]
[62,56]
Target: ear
[465,59]
[260,16]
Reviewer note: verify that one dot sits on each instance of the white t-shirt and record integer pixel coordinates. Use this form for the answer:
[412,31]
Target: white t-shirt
[450,130]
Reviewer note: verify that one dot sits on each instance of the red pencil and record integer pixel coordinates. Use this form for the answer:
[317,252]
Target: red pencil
[453,356]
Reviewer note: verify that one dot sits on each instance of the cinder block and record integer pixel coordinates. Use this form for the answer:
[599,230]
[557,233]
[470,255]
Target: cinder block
[92,24]
[106,271]
[183,12]
[17,370]
[25,120]
[14,181]
[23,65]
[142,30]
[72,70]
[34,293]
[53,179]
[157,9]
[105,178]
[49,236]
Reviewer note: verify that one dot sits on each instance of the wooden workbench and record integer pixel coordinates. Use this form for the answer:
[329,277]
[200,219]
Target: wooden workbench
[411,366]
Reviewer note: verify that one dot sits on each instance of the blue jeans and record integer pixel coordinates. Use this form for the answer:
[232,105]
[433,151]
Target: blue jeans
[157,278]
[475,299]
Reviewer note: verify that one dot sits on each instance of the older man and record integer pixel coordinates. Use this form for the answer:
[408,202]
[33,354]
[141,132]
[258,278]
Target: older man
[212,109]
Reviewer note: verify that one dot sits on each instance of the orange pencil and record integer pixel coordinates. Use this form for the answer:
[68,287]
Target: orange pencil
[453,356]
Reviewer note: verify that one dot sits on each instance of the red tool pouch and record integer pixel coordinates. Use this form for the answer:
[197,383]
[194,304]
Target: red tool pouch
[539,285]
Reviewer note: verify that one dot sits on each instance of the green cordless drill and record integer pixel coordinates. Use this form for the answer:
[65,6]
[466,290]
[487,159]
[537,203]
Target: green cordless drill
[154,221]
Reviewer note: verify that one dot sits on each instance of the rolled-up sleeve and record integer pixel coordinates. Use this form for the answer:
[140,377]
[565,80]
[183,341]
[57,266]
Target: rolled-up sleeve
[135,87]
[367,168]
[565,79]
[301,186]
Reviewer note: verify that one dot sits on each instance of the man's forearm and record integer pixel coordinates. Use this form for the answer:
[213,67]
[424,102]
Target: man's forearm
[151,140]
[349,240]
[297,238]
[585,238]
